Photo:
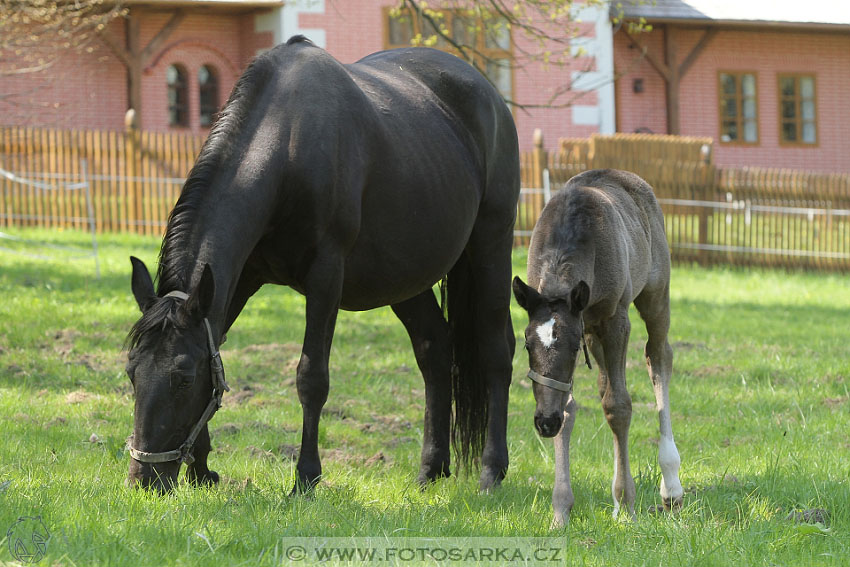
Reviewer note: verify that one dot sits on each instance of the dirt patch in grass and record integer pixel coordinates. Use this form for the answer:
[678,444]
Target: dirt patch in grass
[833,403]
[712,370]
[79,397]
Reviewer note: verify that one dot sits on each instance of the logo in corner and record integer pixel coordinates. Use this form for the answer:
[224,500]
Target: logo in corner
[28,539]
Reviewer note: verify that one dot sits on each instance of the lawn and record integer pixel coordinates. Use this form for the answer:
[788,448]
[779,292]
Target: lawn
[759,399]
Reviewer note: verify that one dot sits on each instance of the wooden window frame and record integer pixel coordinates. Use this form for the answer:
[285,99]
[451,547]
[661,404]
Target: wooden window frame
[798,107]
[481,54]
[739,100]
[180,88]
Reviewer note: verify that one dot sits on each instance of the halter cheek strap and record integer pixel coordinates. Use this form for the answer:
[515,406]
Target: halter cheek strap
[183,454]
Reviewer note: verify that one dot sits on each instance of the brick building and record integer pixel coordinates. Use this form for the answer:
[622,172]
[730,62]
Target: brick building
[763,78]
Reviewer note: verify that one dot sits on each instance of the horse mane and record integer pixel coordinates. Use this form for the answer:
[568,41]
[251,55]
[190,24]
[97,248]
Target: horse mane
[172,273]
[175,265]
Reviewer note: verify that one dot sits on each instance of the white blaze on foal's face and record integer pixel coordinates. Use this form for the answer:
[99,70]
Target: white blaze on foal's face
[546,333]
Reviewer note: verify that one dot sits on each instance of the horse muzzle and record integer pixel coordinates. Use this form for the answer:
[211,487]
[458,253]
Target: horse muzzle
[548,425]
[158,477]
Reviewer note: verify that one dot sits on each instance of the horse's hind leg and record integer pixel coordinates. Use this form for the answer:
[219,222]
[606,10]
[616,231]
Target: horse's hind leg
[428,333]
[490,264]
[654,309]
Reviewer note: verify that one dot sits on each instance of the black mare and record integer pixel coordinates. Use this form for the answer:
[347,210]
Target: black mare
[358,186]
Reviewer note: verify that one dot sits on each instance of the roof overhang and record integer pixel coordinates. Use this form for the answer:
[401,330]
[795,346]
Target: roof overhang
[779,15]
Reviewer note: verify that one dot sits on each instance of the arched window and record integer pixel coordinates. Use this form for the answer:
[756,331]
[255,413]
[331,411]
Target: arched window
[208,84]
[178,96]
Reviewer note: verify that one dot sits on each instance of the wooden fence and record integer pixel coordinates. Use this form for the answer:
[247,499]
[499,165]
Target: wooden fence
[713,215]
[133,177]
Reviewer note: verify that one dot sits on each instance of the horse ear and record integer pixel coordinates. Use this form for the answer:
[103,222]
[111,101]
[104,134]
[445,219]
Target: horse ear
[524,294]
[200,301]
[579,296]
[141,284]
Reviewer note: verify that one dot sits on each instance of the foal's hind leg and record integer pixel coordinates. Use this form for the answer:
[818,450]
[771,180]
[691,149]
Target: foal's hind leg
[655,311]
[428,333]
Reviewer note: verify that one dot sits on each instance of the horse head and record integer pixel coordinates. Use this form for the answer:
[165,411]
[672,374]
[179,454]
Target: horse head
[176,376]
[553,338]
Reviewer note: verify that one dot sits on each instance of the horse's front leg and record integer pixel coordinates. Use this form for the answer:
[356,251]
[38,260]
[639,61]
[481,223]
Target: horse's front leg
[617,405]
[562,493]
[198,472]
[323,290]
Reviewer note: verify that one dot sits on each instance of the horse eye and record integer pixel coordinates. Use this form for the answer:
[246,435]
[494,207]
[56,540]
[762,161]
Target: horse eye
[183,379]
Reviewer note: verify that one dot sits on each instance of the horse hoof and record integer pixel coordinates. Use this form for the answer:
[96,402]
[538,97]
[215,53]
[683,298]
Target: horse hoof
[672,504]
[304,488]
[432,475]
[209,478]
[489,481]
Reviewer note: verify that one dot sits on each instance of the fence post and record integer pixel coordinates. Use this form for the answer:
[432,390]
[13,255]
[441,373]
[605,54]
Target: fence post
[131,157]
[540,159]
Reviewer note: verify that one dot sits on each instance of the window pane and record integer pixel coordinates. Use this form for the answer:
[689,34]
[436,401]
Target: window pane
[430,30]
[496,34]
[203,75]
[789,109]
[809,134]
[499,72]
[789,131]
[463,31]
[786,86]
[171,74]
[730,108]
[750,131]
[807,87]
[727,84]
[750,108]
[749,85]
[808,110]
[730,131]
[401,30]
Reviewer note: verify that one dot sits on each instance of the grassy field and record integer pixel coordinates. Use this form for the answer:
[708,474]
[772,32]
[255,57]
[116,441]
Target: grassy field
[759,399]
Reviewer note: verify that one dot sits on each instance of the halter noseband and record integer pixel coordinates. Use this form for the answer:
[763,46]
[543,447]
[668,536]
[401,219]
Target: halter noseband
[557,384]
[183,454]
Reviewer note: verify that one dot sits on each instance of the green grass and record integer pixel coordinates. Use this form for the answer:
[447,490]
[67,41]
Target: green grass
[759,399]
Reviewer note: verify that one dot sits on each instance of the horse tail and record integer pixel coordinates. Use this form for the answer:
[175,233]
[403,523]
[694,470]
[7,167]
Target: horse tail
[469,385]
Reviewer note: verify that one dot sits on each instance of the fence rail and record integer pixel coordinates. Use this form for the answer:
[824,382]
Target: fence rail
[713,215]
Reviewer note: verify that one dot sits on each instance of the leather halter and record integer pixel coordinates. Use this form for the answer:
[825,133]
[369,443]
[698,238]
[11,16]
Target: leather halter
[557,384]
[183,454]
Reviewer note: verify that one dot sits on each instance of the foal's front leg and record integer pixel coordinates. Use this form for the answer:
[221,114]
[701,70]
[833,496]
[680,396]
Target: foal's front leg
[323,290]
[617,405]
[562,492]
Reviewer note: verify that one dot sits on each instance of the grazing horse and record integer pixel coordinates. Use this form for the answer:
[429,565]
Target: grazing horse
[599,246]
[358,186]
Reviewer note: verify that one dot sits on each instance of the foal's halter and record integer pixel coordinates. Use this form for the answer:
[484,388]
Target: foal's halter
[183,454]
[557,384]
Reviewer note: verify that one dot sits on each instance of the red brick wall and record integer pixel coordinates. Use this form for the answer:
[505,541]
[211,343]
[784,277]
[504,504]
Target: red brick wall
[768,53]
[89,90]
[356,28]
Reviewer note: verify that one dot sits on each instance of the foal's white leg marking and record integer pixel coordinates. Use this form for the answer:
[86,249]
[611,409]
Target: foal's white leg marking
[668,460]
[545,332]
[668,455]
[614,492]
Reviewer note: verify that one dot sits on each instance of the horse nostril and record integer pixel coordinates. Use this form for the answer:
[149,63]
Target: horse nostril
[547,426]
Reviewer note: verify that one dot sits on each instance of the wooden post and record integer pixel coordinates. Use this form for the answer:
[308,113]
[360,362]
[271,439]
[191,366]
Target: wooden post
[672,82]
[540,160]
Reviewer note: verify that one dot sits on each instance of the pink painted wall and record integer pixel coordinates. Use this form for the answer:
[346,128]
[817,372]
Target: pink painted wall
[767,54]
[89,90]
[357,27]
